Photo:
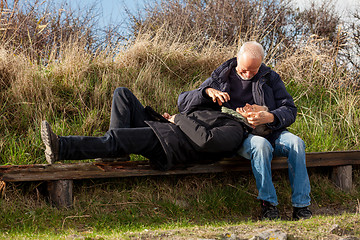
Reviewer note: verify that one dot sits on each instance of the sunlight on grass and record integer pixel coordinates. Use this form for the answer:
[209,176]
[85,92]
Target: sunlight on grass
[61,76]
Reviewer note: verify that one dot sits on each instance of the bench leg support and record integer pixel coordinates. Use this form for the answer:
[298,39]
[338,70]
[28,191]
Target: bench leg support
[342,177]
[61,193]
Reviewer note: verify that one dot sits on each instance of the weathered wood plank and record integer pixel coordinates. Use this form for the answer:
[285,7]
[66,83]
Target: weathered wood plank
[45,172]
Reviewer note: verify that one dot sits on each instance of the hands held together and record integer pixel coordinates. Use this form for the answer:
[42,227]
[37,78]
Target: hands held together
[255,114]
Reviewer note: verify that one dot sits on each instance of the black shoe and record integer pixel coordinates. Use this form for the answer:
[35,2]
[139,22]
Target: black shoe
[301,213]
[269,211]
[51,141]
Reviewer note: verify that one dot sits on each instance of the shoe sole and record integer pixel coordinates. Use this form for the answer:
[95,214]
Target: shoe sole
[46,138]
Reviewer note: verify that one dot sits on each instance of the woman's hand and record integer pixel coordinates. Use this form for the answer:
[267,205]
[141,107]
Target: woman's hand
[169,117]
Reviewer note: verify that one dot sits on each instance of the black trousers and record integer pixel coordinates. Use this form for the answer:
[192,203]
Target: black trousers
[128,134]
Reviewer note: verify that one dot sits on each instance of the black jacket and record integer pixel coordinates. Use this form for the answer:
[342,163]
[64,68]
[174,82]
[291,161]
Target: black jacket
[202,136]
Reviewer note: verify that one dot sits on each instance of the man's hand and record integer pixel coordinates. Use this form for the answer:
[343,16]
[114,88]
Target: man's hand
[256,115]
[169,117]
[217,96]
[258,118]
[244,111]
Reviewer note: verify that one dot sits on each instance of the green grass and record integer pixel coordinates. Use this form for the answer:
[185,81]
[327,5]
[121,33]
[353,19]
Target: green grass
[327,119]
[121,208]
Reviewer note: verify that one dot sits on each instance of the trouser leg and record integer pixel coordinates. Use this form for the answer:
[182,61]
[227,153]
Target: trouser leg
[291,146]
[126,110]
[259,151]
[116,142]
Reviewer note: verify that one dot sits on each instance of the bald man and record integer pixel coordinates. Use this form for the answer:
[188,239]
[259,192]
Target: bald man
[255,91]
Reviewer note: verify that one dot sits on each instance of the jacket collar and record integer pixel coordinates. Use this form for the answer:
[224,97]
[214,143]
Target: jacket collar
[263,70]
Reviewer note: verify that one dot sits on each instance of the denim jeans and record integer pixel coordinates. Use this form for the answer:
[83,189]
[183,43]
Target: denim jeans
[128,134]
[260,152]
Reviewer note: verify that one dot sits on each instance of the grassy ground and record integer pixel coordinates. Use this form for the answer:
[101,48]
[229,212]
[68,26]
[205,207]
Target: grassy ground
[202,206]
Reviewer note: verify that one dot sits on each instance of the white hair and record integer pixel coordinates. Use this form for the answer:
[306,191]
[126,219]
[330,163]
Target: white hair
[254,49]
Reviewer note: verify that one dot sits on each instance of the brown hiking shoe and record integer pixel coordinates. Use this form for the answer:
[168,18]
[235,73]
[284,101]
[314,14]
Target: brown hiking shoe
[51,141]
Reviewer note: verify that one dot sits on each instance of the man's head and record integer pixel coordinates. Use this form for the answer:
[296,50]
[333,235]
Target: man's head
[249,59]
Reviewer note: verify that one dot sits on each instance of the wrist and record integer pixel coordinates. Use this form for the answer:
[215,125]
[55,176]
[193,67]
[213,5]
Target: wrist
[205,92]
[271,118]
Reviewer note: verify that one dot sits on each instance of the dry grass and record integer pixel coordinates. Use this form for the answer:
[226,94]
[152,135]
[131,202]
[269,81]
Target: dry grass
[75,89]
[182,207]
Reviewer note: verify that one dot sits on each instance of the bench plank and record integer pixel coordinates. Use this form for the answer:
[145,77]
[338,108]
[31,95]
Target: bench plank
[72,171]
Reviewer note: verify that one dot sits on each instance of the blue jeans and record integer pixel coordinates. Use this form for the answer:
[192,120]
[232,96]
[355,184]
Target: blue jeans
[260,152]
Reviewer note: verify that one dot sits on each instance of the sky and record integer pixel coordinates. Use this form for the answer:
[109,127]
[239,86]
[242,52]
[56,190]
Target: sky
[113,9]
[342,6]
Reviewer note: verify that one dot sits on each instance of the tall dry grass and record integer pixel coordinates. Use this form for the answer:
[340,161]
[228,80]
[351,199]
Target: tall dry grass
[328,96]
[73,88]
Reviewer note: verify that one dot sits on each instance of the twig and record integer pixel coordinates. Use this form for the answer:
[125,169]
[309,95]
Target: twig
[242,190]
[2,188]
[124,203]
[84,216]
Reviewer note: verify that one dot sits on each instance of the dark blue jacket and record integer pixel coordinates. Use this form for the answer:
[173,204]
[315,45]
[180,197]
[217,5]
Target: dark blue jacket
[267,88]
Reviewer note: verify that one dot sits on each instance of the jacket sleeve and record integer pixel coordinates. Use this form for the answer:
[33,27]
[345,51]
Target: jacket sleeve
[285,110]
[191,100]
[223,138]
[195,99]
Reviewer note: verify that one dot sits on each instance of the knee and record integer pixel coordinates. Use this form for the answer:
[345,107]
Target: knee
[121,91]
[122,94]
[261,144]
[261,149]
[296,143]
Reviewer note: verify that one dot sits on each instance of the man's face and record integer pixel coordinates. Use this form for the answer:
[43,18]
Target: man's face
[247,67]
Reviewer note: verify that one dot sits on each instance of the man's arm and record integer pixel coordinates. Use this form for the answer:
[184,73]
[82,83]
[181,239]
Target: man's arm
[192,100]
[284,110]
[201,97]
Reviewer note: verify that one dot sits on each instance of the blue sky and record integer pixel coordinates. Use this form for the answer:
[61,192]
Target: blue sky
[114,9]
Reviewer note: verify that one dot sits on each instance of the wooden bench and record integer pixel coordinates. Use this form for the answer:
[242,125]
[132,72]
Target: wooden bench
[60,176]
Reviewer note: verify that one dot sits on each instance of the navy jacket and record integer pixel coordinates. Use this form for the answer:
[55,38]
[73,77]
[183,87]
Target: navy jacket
[267,89]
